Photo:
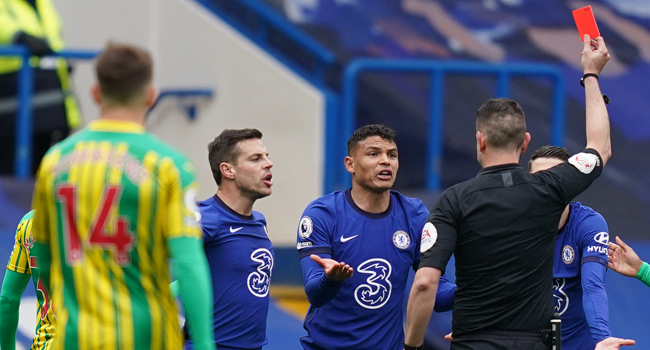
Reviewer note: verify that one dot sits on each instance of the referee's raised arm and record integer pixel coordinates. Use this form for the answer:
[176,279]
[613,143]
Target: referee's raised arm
[594,58]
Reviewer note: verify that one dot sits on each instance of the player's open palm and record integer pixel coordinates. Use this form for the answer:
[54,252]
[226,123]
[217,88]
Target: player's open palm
[612,343]
[623,259]
[334,270]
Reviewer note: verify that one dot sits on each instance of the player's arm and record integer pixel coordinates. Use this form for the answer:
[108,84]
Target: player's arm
[437,245]
[322,275]
[13,287]
[185,246]
[191,270]
[16,279]
[594,235]
[594,58]
[624,260]
[323,278]
[445,295]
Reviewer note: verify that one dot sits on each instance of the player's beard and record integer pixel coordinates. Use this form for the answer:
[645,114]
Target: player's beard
[253,189]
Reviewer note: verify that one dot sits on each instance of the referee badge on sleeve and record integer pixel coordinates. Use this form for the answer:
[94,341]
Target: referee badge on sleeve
[429,237]
[585,162]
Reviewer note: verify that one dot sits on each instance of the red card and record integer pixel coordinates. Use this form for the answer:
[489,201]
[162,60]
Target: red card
[586,22]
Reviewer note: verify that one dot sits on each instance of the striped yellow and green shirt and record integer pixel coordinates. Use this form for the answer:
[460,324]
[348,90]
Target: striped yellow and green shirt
[22,261]
[108,199]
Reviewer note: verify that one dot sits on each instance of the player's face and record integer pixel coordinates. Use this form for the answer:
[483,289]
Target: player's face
[253,170]
[373,164]
[542,163]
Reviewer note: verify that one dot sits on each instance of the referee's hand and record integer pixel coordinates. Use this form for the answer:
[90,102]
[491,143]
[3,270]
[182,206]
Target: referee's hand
[334,270]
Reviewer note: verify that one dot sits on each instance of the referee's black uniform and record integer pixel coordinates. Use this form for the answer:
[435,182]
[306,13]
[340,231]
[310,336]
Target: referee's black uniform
[502,227]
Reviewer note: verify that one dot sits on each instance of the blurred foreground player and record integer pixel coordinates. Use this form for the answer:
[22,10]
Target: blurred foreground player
[356,249]
[235,240]
[580,265]
[23,265]
[113,204]
[502,227]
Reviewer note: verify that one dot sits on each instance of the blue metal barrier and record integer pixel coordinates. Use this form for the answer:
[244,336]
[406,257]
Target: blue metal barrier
[22,161]
[438,69]
[190,109]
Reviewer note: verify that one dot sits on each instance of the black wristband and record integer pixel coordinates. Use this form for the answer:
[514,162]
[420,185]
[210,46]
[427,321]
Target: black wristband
[408,347]
[582,80]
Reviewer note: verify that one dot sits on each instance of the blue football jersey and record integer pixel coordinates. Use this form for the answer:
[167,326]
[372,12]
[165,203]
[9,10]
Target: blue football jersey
[241,258]
[367,311]
[584,238]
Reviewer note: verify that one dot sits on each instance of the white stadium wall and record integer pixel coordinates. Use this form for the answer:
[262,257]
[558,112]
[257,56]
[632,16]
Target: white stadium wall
[192,48]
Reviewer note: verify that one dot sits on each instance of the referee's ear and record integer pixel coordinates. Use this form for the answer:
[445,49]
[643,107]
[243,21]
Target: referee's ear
[524,146]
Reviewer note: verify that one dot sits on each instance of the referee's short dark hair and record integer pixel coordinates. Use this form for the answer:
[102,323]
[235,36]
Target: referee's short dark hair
[225,148]
[554,152]
[502,122]
[367,131]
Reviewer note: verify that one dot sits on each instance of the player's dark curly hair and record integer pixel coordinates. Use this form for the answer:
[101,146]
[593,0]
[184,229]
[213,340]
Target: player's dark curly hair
[554,152]
[367,131]
[503,123]
[225,148]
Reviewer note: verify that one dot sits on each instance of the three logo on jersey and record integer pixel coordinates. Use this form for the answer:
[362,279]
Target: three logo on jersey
[376,291]
[259,281]
[561,298]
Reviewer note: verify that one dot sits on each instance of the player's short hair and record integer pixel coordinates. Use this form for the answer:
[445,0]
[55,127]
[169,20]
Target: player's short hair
[503,123]
[225,148]
[554,152]
[123,72]
[367,131]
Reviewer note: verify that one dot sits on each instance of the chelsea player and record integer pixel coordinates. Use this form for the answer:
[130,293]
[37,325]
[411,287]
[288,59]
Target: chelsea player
[579,267]
[356,248]
[235,239]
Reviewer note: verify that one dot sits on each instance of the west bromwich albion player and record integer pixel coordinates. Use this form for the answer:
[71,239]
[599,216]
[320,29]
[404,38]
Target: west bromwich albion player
[579,267]
[112,204]
[235,239]
[362,243]
[22,265]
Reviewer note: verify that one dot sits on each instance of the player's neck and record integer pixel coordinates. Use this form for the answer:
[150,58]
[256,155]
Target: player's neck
[498,157]
[369,201]
[134,115]
[235,200]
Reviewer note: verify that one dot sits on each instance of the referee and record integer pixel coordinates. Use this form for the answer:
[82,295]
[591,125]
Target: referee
[502,227]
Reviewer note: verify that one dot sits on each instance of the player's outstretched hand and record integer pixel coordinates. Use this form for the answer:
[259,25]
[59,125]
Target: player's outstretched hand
[334,270]
[612,343]
[449,336]
[623,259]
[594,55]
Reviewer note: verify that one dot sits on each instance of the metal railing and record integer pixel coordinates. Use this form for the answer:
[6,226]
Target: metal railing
[22,160]
[438,70]
[23,157]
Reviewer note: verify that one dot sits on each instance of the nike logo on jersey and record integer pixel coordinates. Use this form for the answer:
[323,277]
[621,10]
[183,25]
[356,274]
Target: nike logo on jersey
[235,230]
[343,239]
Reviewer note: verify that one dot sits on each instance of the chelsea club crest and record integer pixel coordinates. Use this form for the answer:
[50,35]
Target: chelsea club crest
[568,254]
[401,240]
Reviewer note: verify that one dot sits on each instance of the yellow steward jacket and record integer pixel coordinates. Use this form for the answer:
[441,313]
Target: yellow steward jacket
[44,22]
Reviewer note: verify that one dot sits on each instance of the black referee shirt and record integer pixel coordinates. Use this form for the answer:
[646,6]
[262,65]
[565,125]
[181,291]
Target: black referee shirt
[502,227]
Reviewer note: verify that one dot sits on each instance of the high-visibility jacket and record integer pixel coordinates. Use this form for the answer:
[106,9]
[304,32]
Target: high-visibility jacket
[42,22]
